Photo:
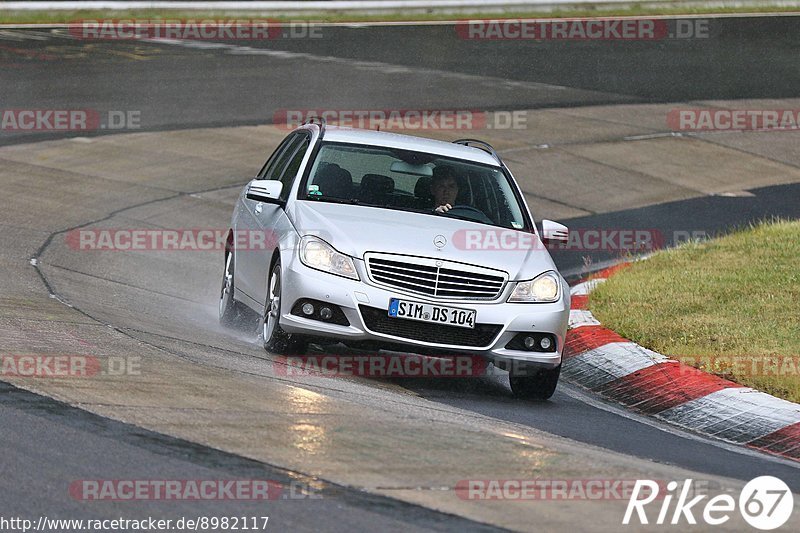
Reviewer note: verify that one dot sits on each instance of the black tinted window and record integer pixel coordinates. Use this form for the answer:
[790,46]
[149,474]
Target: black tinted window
[290,173]
[279,157]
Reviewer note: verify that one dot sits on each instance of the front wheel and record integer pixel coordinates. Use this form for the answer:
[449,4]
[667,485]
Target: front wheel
[275,339]
[537,386]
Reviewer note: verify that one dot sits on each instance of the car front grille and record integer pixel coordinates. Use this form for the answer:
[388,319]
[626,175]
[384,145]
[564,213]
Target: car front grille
[378,321]
[436,278]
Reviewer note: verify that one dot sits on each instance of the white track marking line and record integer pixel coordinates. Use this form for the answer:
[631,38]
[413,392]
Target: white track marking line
[387,68]
[738,414]
[596,367]
[579,318]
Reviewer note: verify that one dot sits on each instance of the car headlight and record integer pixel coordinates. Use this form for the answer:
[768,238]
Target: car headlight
[543,288]
[318,254]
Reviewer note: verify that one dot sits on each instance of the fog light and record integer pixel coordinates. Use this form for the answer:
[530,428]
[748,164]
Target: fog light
[308,309]
[545,343]
[529,342]
[325,313]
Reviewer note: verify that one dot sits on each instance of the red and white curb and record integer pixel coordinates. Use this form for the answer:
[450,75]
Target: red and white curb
[600,360]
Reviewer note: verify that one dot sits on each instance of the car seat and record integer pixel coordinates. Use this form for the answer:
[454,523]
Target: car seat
[334,181]
[376,189]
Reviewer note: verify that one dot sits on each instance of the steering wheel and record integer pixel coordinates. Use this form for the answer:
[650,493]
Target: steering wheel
[469,211]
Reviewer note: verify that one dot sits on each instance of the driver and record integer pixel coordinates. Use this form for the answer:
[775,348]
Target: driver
[444,188]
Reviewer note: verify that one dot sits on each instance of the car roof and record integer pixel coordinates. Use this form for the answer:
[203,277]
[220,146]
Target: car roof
[408,142]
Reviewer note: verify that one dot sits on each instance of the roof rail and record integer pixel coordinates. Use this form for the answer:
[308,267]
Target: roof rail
[319,121]
[486,147]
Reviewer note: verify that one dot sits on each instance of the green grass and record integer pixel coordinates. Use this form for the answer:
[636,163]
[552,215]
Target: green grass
[730,306]
[52,17]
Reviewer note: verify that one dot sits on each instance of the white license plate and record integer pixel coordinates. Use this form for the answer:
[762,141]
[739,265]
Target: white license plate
[437,314]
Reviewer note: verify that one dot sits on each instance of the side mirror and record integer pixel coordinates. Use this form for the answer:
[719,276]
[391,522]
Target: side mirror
[553,232]
[265,191]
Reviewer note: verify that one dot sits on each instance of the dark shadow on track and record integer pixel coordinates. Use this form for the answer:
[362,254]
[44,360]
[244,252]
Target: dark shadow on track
[740,57]
[91,447]
[679,220]
[572,417]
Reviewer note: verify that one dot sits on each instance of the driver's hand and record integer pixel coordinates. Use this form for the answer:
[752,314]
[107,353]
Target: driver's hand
[443,208]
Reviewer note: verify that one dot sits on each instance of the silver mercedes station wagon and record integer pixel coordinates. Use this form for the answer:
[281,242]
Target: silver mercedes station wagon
[387,241]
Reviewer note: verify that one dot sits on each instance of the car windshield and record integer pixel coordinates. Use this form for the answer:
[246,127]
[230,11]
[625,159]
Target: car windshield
[397,179]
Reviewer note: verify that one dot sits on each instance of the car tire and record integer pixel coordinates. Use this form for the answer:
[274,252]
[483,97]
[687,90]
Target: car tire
[276,340]
[539,386]
[231,312]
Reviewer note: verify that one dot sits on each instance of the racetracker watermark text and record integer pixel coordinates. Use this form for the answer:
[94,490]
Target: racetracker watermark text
[177,490]
[45,120]
[406,119]
[173,239]
[382,366]
[579,239]
[603,29]
[67,366]
[764,366]
[193,29]
[546,489]
[714,119]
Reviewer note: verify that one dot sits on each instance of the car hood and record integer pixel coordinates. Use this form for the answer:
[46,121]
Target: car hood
[356,230]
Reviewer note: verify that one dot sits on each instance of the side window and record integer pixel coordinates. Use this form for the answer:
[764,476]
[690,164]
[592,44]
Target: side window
[278,158]
[290,172]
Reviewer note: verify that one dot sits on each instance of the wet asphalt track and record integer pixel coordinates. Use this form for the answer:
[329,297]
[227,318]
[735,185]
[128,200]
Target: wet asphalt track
[179,87]
[192,87]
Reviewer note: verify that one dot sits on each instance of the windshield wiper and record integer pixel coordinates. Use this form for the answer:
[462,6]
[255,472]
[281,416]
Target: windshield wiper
[460,217]
[333,200]
[346,201]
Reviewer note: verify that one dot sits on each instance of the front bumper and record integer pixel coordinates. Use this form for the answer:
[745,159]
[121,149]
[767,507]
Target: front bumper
[353,297]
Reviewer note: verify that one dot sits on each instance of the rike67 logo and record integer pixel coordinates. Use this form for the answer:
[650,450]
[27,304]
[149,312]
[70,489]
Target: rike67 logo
[765,503]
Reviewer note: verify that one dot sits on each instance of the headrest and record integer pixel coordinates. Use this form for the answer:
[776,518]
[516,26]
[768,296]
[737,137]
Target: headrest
[377,183]
[333,180]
